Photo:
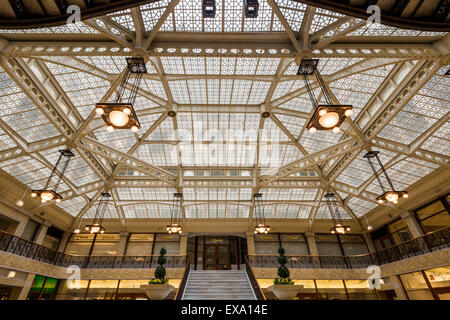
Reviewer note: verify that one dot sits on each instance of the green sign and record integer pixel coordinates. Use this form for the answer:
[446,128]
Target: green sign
[50,284]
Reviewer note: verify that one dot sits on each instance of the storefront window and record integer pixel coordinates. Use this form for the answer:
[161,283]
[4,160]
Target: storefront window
[295,244]
[353,245]
[328,245]
[359,290]
[140,245]
[171,242]
[331,289]
[267,244]
[102,290]
[72,290]
[434,216]
[105,245]
[439,279]
[80,244]
[416,286]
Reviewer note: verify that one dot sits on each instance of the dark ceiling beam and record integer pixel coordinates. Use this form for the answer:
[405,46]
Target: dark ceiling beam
[436,22]
[93,9]
[19,8]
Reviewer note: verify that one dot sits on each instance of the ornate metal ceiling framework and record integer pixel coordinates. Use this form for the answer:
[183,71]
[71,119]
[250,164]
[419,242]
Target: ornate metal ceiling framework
[395,73]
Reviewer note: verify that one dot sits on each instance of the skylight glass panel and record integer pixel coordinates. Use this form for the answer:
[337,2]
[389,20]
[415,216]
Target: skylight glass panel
[258,92]
[78,171]
[332,65]
[324,213]
[154,87]
[28,171]
[110,64]
[180,92]
[359,170]
[152,12]
[241,91]
[197,91]
[404,173]
[267,66]
[5,141]
[110,211]
[360,207]
[357,89]
[381,30]
[293,124]
[188,16]
[319,140]
[323,18]
[424,109]
[123,18]
[83,89]
[293,12]
[439,141]
[233,18]
[73,206]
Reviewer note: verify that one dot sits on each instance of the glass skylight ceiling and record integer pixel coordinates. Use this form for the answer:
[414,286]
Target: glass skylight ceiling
[218,99]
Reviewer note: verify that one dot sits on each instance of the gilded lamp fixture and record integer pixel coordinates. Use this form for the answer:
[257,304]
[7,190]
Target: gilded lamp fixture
[121,114]
[49,192]
[327,116]
[338,225]
[389,194]
[175,215]
[261,226]
[96,226]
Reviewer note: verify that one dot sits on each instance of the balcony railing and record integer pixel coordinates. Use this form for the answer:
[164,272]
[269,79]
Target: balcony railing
[430,242]
[15,245]
[427,243]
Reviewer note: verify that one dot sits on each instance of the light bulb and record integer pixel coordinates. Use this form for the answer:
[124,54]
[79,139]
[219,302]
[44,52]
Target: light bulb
[109,128]
[392,197]
[87,228]
[380,201]
[118,118]
[348,112]
[127,111]
[134,129]
[395,201]
[19,203]
[99,111]
[103,231]
[322,112]
[76,231]
[58,200]
[329,120]
[405,196]
[370,228]
[33,194]
[43,201]
[47,196]
[336,130]
[312,130]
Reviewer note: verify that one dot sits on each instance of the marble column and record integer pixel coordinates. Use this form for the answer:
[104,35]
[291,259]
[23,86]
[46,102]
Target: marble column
[21,293]
[42,231]
[311,239]
[397,286]
[122,244]
[412,223]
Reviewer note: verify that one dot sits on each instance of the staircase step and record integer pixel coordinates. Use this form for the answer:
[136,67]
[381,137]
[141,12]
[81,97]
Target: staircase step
[218,285]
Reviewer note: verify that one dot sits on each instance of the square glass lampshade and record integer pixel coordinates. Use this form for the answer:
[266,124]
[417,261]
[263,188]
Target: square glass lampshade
[209,8]
[392,196]
[340,229]
[307,67]
[329,117]
[118,115]
[46,195]
[95,228]
[251,8]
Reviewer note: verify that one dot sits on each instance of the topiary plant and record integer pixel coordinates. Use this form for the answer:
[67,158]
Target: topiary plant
[160,272]
[283,271]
